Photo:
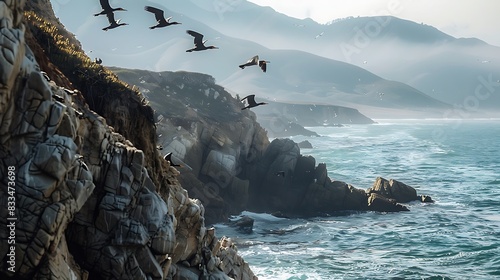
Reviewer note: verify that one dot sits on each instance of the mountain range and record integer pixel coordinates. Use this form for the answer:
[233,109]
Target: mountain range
[383,66]
[446,68]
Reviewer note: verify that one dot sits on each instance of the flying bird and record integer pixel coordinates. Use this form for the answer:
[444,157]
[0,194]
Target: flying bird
[251,102]
[255,61]
[263,65]
[160,18]
[106,8]
[199,44]
[252,61]
[168,158]
[112,22]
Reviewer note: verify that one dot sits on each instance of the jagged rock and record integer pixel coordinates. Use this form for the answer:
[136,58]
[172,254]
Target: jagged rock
[231,263]
[220,167]
[319,199]
[43,162]
[320,174]
[244,224]
[288,182]
[425,198]
[89,204]
[355,199]
[215,206]
[394,190]
[305,145]
[266,187]
[217,153]
[304,170]
[377,202]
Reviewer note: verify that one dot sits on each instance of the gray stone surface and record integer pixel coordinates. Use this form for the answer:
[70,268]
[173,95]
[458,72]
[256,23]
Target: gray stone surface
[86,204]
[393,189]
[306,189]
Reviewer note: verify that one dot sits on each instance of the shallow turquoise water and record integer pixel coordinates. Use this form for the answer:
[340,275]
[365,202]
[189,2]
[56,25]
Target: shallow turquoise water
[457,237]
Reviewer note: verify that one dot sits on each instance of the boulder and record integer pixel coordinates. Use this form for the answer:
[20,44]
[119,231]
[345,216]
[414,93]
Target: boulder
[305,145]
[425,198]
[355,199]
[393,189]
[243,224]
[380,203]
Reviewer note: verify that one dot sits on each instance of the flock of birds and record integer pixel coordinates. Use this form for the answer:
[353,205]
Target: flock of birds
[199,43]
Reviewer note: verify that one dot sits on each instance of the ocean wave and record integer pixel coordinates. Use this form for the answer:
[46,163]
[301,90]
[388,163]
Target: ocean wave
[258,216]
[494,182]
[457,237]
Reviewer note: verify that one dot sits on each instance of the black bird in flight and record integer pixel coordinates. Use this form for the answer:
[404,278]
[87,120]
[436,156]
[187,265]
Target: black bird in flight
[199,44]
[106,8]
[168,158]
[112,22]
[160,18]
[263,65]
[251,102]
[255,61]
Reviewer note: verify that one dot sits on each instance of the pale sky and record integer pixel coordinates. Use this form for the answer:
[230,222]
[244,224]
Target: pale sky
[458,18]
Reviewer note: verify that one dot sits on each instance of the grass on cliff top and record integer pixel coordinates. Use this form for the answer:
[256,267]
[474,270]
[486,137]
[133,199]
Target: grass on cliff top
[84,73]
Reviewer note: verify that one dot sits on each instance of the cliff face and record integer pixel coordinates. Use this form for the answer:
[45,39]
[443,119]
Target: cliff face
[81,199]
[204,128]
[228,161]
[90,195]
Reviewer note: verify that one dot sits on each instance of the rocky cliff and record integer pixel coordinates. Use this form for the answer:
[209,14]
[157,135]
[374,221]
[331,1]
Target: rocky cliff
[206,131]
[230,164]
[84,192]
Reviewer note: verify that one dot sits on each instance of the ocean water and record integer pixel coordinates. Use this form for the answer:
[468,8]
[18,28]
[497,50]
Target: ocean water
[456,162]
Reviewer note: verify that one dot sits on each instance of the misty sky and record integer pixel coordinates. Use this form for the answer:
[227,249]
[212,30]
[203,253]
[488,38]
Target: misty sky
[458,18]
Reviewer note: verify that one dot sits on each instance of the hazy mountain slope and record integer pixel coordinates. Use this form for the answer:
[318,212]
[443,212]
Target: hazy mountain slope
[293,76]
[274,30]
[299,77]
[420,55]
[184,97]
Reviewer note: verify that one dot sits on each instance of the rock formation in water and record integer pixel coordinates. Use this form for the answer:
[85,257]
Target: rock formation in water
[90,195]
[233,166]
[79,199]
[291,183]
